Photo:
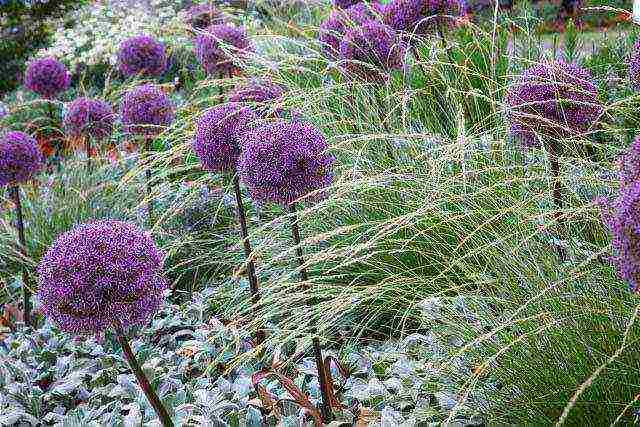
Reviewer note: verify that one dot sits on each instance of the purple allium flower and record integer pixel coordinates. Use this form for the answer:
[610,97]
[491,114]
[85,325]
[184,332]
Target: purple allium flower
[217,46]
[344,4]
[100,273]
[260,94]
[553,100]
[89,117]
[634,66]
[20,158]
[333,29]
[217,135]
[47,77]
[421,17]
[201,16]
[146,110]
[142,55]
[281,162]
[372,50]
[629,164]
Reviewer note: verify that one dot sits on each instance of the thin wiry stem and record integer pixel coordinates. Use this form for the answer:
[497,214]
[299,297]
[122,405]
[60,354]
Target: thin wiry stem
[26,294]
[147,175]
[556,191]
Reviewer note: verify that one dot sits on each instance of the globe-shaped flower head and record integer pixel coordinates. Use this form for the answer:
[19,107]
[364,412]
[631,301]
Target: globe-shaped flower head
[634,66]
[217,135]
[142,55]
[333,29]
[146,110]
[552,101]
[219,45]
[422,17]
[47,77]
[20,158]
[281,162]
[371,51]
[100,273]
[201,16]
[89,118]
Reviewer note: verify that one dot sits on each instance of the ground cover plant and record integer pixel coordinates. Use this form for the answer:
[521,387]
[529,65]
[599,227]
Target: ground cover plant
[314,213]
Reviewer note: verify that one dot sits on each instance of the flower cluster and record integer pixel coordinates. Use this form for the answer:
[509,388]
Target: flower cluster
[47,77]
[260,94]
[101,273]
[146,110]
[370,51]
[142,55]
[218,45]
[201,16]
[281,162]
[629,164]
[217,135]
[634,66]
[89,117]
[20,158]
[333,29]
[422,17]
[552,101]
[344,4]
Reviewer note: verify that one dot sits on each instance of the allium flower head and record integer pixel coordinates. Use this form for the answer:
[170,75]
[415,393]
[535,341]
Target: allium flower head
[47,77]
[142,55]
[146,110]
[344,4]
[554,100]
[218,132]
[260,94]
[630,164]
[20,158]
[100,273]
[333,29]
[201,16]
[422,17]
[217,47]
[89,117]
[634,66]
[371,51]
[281,162]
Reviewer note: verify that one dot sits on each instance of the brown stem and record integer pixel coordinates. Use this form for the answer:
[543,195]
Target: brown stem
[251,268]
[557,194]
[148,390]
[26,294]
[317,350]
[87,147]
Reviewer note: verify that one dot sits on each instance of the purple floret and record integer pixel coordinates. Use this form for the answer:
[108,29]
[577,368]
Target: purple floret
[100,274]
[371,51]
[423,17]
[262,95]
[630,164]
[202,16]
[146,110]
[142,55]
[47,77]
[333,29]
[20,158]
[282,162]
[552,101]
[89,118]
[634,66]
[217,137]
[217,47]
[344,4]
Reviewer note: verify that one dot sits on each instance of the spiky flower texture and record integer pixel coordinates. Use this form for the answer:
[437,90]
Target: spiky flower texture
[201,16]
[281,162]
[217,135]
[47,77]
[333,29]
[552,101]
[146,110]
[423,17]
[219,45]
[629,164]
[142,55]
[634,66]
[100,273]
[89,118]
[20,158]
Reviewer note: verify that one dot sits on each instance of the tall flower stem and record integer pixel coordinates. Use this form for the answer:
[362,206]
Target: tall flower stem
[556,191]
[26,294]
[87,147]
[148,390]
[251,268]
[317,350]
[147,175]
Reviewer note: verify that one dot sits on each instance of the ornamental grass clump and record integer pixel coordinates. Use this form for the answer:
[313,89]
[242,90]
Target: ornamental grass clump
[89,119]
[20,161]
[100,276]
[143,56]
[218,46]
[201,16]
[634,66]
[333,29]
[217,145]
[281,163]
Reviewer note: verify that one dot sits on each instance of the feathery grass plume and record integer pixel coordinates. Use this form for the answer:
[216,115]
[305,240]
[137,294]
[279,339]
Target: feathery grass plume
[103,275]
[333,29]
[47,77]
[20,161]
[201,16]
[634,66]
[142,55]
[217,47]
[217,146]
[280,163]
[89,119]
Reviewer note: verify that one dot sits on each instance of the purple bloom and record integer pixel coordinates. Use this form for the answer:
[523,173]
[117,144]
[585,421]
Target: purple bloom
[47,77]
[421,17]
[630,164]
[217,135]
[634,66]
[260,94]
[100,273]
[281,162]
[204,15]
[554,100]
[20,158]
[142,55]
[217,46]
[371,50]
[146,110]
[89,117]
[344,4]
[333,29]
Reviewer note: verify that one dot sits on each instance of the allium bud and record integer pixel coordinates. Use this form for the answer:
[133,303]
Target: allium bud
[422,17]
[20,158]
[333,29]
[89,117]
[146,110]
[47,77]
[142,55]
[219,45]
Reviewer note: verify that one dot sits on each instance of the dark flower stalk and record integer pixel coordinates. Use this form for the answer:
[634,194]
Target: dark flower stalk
[556,185]
[26,294]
